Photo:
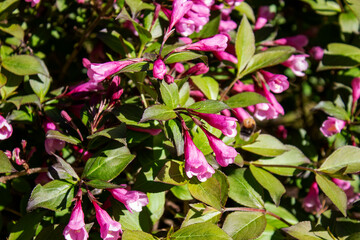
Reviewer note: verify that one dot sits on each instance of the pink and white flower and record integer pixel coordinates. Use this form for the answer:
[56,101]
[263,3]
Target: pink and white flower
[297,64]
[6,129]
[316,53]
[109,229]
[215,43]
[332,126]
[264,15]
[133,200]
[75,230]
[277,82]
[312,202]
[227,125]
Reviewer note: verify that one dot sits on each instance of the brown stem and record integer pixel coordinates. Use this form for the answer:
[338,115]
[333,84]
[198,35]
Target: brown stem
[85,35]
[23,173]
[244,209]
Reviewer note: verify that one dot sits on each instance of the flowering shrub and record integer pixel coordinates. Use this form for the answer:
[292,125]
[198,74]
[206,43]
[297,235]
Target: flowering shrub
[183,119]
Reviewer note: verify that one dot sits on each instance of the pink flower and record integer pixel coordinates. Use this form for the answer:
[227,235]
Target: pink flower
[226,26]
[348,189]
[311,202]
[277,82]
[298,41]
[332,126]
[75,230]
[109,229]
[16,156]
[180,8]
[185,27]
[265,111]
[215,43]
[227,125]
[33,2]
[281,132]
[264,15]
[241,87]
[272,99]
[159,69]
[85,87]
[115,91]
[241,114]
[169,79]
[355,84]
[199,68]
[298,64]
[6,129]
[179,67]
[317,53]
[225,56]
[133,200]
[99,71]
[225,154]
[195,161]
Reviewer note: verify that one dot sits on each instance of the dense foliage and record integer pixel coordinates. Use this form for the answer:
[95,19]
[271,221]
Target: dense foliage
[183,119]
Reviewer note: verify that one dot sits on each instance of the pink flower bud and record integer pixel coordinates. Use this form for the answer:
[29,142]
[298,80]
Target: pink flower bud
[33,2]
[85,88]
[264,15]
[317,53]
[6,129]
[298,41]
[179,67]
[277,82]
[159,69]
[227,125]
[298,64]
[241,87]
[185,27]
[225,154]
[225,56]
[76,226]
[109,229]
[241,114]
[169,79]
[227,26]
[311,202]
[180,8]
[133,200]
[66,116]
[332,126]
[185,40]
[195,161]
[281,132]
[348,189]
[215,43]
[199,68]
[8,154]
[16,156]
[115,91]
[355,84]
[272,99]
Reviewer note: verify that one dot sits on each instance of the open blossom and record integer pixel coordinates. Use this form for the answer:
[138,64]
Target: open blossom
[225,154]
[271,98]
[100,71]
[133,200]
[297,64]
[215,43]
[355,84]
[298,41]
[195,161]
[227,125]
[180,8]
[264,15]
[311,202]
[33,2]
[265,111]
[316,53]
[5,129]
[348,189]
[277,82]
[75,230]
[332,126]
[159,69]
[109,229]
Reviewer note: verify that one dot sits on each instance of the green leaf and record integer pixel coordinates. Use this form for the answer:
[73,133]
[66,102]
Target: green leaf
[244,189]
[137,235]
[137,5]
[26,227]
[184,94]
[214,191]
[293,157]
[144,35]
[24,99]
[7,7]
[67,167]
[348,22]
[156,205]
[207,85]
[13,29]
[109,163]
[117,133]
[336,194]
[245,99]
[269,182]
[3,80]
[158,112]
[182,192]
[174,130]
[244,44]
[200,231]
[244,225]
[172,173]
[266,145]
[332,110]
[199,213]
[354,6]
[12,83]
[327,8]
[280,211]
[117,44]
[304,230]
[55,195]
[53,134]
[183,57]
[170,94]
[5,164]
[245,9]
[340,56]
[100,184]
[23,65]
[347,157]
[209,106]
[41,84]
[131,115]
[136,67]
[270,57]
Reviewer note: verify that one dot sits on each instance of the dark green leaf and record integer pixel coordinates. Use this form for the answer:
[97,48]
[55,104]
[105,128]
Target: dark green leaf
[340,56]
[170,94]
[244,225]
[117,133]
[174,129]
[266,145]
[200,231]
[100,184]
[209,106]
[244,189]
[244,44]
[13,29]
[182,57]
[53,134]
[25,99]
[7,7]
[26,227]
[336,194]
[245,99]
[109,163]
[5,164]
[131,115]
[269,182]
[12,83]
[137,5]
[23,65]
[200,213]
[136,67]
[158,112]
[55,195]
[67,167]
[207,85]
[41,85]
[332,110]
[172,173]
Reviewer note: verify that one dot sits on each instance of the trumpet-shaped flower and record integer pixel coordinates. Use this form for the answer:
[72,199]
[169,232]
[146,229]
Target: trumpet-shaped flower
[355,84]
[227,125]
[332,126]
[109,229]
[75,230]
[311,202]
[216,43]
[6,129]
[277,82]
[297,64]
[133,200]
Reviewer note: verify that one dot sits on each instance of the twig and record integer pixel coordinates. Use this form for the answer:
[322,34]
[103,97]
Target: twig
[23,173]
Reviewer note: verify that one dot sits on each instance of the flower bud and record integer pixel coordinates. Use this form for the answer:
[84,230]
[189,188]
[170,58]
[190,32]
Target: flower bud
[227,125]
[332,126]
[355,84]
[199,68]
[311,202]
[169,79]
[316,53]
[159,69]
